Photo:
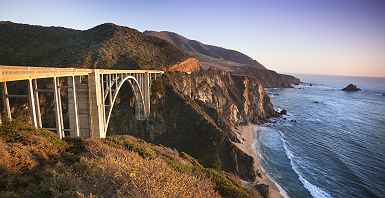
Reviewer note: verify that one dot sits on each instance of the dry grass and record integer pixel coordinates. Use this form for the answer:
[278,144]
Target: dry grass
[114,172]
[35,163]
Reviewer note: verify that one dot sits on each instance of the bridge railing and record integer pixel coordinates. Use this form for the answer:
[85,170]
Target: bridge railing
[15,73]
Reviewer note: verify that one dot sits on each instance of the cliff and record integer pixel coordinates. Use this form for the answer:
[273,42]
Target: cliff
[189,65]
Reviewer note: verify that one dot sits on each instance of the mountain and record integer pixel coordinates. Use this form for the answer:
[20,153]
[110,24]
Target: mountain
[104,46]
[226,60]
[209,55]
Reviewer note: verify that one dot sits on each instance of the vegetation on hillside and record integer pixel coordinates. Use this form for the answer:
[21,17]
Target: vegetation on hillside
[104,46]
[36,163]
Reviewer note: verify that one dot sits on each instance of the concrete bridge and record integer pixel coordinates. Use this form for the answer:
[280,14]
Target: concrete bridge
[91,95]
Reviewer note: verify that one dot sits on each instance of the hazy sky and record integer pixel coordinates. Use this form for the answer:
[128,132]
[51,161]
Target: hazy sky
[343,37]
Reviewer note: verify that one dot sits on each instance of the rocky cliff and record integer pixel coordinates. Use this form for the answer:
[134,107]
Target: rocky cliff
[189,65]
[229,99]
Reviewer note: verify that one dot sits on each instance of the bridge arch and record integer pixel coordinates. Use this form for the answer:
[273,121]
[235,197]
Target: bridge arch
[139,99]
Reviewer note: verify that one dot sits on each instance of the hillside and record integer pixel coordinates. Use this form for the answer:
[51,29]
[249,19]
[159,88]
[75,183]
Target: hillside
[226,59]
[104,46]
[208,55]
[36,163]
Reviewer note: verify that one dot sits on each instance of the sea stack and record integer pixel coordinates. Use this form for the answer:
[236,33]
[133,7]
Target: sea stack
[351,88]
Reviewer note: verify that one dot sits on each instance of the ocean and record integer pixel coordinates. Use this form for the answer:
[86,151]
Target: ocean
[331,143]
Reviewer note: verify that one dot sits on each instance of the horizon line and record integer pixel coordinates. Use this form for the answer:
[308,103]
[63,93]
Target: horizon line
[344,75]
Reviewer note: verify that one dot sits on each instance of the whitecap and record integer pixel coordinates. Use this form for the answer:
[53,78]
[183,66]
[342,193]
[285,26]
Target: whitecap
[314,190]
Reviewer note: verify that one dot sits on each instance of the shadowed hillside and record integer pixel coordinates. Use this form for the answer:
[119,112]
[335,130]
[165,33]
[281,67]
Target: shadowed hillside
[104,46]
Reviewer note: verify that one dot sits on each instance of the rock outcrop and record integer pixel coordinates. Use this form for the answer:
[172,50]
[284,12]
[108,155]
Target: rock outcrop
[189,65]
[351,88]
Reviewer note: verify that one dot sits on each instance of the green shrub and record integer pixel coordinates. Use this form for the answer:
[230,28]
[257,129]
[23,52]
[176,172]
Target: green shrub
[136,146]
[226,185]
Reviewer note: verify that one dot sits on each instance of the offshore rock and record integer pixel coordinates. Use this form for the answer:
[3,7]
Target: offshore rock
[351,88]
[283,112]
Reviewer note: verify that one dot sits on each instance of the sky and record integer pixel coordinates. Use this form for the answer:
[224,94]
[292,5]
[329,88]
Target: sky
[338,37]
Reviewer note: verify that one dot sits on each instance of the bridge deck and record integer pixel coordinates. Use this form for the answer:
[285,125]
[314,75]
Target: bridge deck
[14,73]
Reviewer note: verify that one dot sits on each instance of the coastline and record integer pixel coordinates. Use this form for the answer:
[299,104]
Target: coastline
[247,133]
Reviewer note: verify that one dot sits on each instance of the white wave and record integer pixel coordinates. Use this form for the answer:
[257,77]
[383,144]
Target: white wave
[280,189]
[314,190]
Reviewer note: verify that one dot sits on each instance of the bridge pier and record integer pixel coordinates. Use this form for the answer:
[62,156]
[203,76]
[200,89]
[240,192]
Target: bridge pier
[146,93]
[73,113]
[95,101]
[31,102]
[58,108]
[37,103]
[7,107]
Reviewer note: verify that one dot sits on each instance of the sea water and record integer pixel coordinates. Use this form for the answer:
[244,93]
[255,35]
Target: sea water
[331,143]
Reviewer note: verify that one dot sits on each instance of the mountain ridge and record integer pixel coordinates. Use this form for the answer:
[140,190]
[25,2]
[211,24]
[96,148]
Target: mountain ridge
[227,60]
[103,46]
[208,54]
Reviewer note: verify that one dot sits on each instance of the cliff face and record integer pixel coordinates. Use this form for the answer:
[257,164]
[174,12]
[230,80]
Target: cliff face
[189,65]
[230,100]
[269,78]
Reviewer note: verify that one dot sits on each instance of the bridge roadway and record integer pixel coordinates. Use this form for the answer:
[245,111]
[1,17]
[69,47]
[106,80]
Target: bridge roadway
[91,95]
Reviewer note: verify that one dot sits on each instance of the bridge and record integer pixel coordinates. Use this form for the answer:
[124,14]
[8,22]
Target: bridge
[91,95]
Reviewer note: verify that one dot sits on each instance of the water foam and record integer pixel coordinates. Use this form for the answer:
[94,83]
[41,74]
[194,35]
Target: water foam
[280,189]
[314,190]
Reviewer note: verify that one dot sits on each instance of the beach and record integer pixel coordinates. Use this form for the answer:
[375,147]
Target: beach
[247,137]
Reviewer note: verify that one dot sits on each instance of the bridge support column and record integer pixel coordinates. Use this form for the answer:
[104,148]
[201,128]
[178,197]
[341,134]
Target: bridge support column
[146,93]
[7,107]
[97,123]
[73,113]
[58,112]
[37,104]
[32,104]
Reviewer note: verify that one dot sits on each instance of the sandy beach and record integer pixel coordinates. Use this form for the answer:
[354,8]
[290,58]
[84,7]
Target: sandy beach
[247,133]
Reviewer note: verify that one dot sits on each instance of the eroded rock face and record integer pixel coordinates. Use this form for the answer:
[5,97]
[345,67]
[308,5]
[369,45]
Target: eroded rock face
[189,65]
[230,100]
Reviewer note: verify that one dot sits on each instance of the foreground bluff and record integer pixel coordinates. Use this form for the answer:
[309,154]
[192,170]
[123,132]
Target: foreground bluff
[196,113]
